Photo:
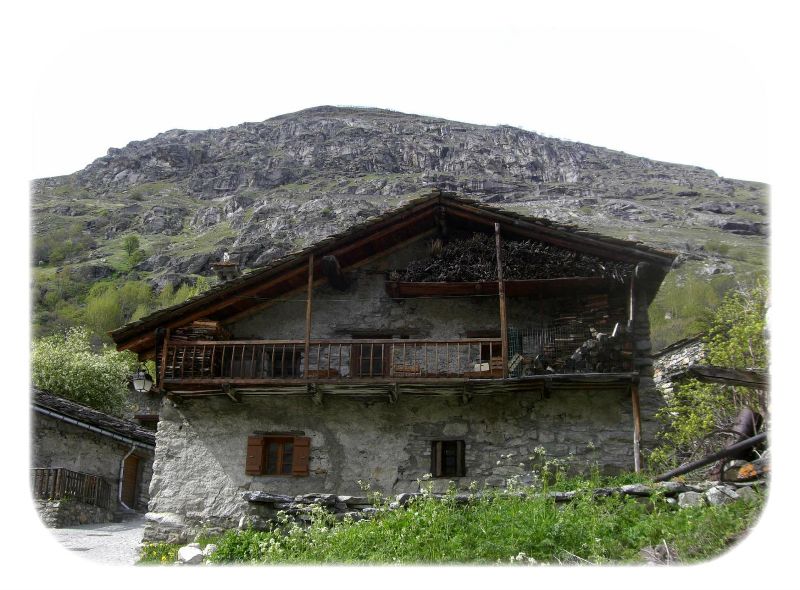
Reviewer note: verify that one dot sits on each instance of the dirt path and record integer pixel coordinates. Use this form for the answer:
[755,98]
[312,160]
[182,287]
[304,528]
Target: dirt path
[115,543]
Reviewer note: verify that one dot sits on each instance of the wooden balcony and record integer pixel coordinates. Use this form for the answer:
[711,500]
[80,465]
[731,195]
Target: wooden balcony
[253,362]
[199,364]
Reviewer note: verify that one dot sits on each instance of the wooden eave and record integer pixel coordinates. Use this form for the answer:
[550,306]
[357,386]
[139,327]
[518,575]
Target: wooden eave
[514,288]
[363,242]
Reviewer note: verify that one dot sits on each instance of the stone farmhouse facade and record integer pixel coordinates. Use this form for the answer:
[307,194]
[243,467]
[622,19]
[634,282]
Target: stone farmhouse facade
[368,358]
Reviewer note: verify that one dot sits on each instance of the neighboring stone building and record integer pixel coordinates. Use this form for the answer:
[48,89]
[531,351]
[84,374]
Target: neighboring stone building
[671,362]
[87,465]
[392,351]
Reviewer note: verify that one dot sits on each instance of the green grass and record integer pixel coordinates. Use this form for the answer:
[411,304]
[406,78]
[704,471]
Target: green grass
[493,529]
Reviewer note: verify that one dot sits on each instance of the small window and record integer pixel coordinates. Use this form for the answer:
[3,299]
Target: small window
[277,455]
[447,458]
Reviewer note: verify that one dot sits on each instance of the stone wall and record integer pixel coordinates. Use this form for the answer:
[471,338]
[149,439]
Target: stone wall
[68,512]
[55,443]
[199,469]
[674,358]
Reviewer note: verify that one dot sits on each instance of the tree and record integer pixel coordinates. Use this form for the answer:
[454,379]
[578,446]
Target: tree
[65,365]
[131,245]
[697,415]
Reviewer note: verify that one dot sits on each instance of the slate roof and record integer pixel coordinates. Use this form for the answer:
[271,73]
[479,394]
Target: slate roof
[92,417]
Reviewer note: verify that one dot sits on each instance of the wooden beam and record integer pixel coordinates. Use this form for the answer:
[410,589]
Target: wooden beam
[502,294]
[163,367]
[521,288]
[637,428]
[316,394]
[728,376]
[394,393]
[310,290]
[231,393]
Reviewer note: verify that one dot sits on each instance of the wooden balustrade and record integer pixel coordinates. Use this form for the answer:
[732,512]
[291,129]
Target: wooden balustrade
[256,360]
[58,483]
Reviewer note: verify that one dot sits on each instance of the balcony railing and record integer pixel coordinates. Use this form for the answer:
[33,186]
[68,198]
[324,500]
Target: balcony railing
[58,483]
[265,360]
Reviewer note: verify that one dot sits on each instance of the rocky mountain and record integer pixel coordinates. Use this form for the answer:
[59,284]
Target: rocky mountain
[259,190]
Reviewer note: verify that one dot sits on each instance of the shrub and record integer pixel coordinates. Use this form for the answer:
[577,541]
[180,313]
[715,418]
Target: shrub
[65,365]
[697,415]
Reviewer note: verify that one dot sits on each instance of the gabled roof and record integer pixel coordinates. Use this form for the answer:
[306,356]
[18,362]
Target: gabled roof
[91,419]
[374,237]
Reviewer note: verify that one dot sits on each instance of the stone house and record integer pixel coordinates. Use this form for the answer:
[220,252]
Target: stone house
[671,362]
[445,337]
[86,466]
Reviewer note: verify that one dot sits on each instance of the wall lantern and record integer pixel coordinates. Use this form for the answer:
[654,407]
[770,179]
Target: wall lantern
[142,382]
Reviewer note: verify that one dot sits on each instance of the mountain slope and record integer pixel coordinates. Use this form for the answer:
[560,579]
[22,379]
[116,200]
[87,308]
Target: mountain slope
[259,190]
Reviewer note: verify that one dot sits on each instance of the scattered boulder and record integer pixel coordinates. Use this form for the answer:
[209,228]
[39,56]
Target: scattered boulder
[207,217]
[163,220]
[90,272]
[719,495]
[190,554]
[690,499]
[746,494]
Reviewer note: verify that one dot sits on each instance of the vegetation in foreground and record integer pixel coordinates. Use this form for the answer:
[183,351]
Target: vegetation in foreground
[698,416]
[494,529]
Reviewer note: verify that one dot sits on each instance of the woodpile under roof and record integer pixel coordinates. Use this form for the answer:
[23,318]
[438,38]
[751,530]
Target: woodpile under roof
[474,259]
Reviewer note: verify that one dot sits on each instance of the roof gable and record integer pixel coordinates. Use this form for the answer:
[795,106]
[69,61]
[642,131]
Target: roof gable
[362,243]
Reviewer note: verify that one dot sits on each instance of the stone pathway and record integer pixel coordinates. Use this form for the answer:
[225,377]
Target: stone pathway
[114,543]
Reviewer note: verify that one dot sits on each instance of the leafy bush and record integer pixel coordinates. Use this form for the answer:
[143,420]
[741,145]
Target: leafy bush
[154,553]
[57,245]
[64,364]
[697,415]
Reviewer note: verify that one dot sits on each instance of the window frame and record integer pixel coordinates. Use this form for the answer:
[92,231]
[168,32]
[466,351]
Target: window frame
[257,461]
[438,449]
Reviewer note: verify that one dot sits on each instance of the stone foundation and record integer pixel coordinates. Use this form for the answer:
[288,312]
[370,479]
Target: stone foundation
[68,512]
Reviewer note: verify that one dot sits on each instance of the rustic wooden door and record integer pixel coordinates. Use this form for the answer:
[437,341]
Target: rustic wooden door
[130,480]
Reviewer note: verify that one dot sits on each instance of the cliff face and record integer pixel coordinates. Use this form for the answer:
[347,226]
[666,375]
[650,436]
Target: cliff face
[259,190]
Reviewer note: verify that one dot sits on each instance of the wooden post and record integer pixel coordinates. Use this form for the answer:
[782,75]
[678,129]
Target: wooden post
[637,428]
[632,304]
[308,313]
[163,360]
[502,296]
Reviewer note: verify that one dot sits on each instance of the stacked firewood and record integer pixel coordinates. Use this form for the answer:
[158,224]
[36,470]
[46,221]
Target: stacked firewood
[475,260]
[602,353]
[200,330]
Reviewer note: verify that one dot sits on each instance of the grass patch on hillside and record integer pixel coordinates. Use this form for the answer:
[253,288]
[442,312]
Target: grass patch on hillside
[497,529]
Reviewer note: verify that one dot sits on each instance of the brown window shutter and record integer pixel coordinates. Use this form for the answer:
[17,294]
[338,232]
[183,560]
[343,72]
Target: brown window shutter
[302,445]
[461,470]
[256,455]
[436,458]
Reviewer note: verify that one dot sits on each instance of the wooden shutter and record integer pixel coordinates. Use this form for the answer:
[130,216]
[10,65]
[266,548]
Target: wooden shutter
[461,470]
[436,458]
[302,445]
[256,455]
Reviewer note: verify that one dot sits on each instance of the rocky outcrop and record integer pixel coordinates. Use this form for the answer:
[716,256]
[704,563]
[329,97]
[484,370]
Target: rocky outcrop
[271,187]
